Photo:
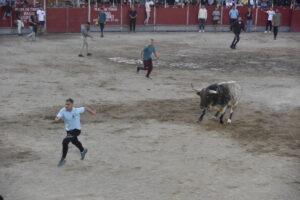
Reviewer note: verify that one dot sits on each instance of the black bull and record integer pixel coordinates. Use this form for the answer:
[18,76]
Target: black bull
[219,97]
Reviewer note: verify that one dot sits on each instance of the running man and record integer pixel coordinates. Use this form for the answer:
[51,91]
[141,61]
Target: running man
[84,35]
[238,26]
[146,54]
[71,117]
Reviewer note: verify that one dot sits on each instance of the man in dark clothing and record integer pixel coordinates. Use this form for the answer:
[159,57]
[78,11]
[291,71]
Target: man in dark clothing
[238,26]
[132,19]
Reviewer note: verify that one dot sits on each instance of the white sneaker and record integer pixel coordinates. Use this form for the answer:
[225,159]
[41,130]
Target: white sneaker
[199,31]
[266,31]
[202,31]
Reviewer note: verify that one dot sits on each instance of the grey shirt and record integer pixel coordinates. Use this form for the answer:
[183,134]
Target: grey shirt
[216,15]
[85,30]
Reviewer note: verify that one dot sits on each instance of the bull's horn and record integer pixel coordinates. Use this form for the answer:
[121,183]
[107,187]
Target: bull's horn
[212,91]
[194,88]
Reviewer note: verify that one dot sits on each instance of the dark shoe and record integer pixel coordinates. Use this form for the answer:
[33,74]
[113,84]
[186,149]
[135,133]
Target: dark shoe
[83,154]
[148,77]
[137,69]
[61,162]
[88,54]
[231,46]
[80,55]
[102,35]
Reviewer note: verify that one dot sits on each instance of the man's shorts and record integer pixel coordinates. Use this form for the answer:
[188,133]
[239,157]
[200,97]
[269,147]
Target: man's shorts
[42,23]
[148,63]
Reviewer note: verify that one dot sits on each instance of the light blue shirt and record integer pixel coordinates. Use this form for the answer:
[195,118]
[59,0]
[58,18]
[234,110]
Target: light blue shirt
[71,119]
[233,13]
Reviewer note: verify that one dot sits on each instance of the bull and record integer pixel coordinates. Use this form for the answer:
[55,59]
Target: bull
[219,97]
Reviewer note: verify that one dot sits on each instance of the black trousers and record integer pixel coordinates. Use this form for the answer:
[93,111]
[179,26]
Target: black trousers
[275,29]
[71,137]
[269,24]
[235,40]
[101,28]
[132,24]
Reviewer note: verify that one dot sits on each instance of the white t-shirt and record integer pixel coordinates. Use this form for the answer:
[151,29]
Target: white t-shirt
[71,119]
[270,14]
[41,15]
[147,5]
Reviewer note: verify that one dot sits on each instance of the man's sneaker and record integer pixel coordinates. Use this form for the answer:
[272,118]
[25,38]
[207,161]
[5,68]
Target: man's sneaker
[266,31]
[83,154]
[202,31]
[199,31]
[88,54]
[61,162]
[137,69]
[80,55]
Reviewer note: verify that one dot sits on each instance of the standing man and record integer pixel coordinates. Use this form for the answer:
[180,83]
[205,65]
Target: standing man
[33,28]
[41,18]
[233,14]
[269,20]
[238,26]
[102,20]
[202,16]
[249,19]
[132,19]
[148,5]
[216,17]
[19,23]
[276,23]
[84,35]
[146,54]
[71,117]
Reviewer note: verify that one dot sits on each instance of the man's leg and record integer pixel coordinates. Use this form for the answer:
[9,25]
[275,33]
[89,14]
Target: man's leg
[237,36]
[83,43]
[130,25]
[19,26]
[134,21]
[150,67]
[275,29]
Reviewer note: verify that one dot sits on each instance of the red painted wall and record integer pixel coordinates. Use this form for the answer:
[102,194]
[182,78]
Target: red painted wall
[57,20]
[295,21]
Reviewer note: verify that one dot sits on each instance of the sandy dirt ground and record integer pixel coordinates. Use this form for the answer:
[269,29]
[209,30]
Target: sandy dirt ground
[144,142]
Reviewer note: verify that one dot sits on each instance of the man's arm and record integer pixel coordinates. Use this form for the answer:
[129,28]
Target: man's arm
[142,53]
[154,52]
[89,110]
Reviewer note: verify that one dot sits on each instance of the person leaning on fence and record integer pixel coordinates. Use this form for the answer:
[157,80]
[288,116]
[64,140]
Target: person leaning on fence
[132,19]
[41,17]
[216,17]
[249,20]
[237,27]
[276,23]
[269,20]
[101,21]
[233,14]
[148,5]
[7,10]
[202,16]
[33,28]
[84,35]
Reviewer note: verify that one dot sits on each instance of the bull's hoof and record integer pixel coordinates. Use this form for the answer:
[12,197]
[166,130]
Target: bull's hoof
[229,121]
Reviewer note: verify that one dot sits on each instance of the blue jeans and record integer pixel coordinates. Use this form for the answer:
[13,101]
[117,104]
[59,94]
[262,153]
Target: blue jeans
[249,25]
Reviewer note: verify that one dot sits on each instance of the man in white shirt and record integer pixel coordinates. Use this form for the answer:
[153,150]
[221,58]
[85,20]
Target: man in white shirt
[71,117]
[202,16]
[269,21]
[41,18]
[148,5]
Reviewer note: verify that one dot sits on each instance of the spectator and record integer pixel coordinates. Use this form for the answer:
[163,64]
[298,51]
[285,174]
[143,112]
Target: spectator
[276,23]
[148,5]
[84,35]
[238,26]
[269,20]
[102,20]
[19,23]
[202,16]
[249,20]
[41,17]
[33,28]
[216,17]
[7,10]
[233,14]
[132,19]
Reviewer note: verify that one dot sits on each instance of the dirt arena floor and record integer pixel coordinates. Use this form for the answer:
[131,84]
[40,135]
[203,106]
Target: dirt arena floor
[144,142]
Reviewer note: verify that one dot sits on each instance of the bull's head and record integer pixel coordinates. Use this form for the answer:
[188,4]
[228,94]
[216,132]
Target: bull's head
[206,96]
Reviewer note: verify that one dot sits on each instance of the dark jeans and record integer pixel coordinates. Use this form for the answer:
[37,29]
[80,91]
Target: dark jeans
[132,24]
[235,40]
[231,23]
[101,28]
[71,137]
[269,23]
[201,24]
[147,66]
[275,29]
